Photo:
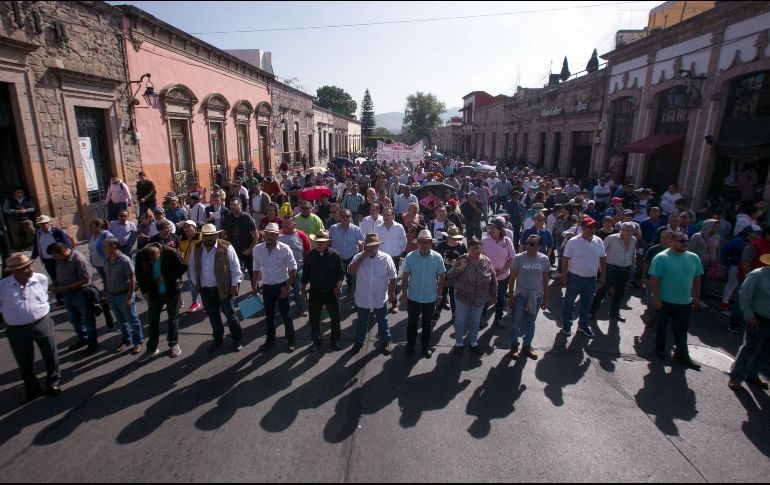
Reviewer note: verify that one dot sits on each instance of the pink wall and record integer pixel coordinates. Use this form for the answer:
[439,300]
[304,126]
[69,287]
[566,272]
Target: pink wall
[167,68]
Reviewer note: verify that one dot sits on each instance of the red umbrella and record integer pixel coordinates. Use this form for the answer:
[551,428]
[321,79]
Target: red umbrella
[315,193]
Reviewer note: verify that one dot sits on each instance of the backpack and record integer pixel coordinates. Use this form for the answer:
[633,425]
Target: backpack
[95,299]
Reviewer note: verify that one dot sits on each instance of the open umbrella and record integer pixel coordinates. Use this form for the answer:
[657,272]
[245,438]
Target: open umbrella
[317,170]
[339,161]
[465,170]
[439,188]
[485,168]
[315,193]
[360,159]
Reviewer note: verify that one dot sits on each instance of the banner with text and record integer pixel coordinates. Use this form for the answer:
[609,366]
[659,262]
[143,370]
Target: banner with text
[401,152]
[89,168]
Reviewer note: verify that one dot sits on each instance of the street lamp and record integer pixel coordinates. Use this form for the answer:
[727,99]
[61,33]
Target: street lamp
[150,96]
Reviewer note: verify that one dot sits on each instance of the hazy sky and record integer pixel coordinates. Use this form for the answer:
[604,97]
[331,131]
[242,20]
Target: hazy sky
[448,58]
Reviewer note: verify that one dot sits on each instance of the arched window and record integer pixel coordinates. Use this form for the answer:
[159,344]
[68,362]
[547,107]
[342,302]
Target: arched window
[242,112]
[749,97]
[621,131]
[673,110]
[178,101]
[217,108]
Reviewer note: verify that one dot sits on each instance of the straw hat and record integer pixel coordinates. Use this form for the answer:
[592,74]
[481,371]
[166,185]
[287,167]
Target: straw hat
[272,227]
[42,220]
[209,229]
[16,262]
[372,240]
[424,234]
[453,233]
[320,236]
[764,259]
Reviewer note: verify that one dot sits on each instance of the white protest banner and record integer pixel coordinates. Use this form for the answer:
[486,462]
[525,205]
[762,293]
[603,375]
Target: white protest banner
[401,152]
[89,169]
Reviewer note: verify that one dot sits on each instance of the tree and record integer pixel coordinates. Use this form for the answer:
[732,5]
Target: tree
[380,132]
[337,100]
[367,116]
[593,63]
[423,115]
[565,74]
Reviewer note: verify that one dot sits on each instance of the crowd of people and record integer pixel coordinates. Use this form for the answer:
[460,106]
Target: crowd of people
[448,234]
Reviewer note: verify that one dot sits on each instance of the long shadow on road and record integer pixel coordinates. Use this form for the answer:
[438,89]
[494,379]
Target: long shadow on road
[495,398]
[562,366]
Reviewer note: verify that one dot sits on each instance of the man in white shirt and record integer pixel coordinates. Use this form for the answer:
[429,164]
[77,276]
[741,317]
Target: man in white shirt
[375,285]
[216,273]
[274,262]
[401,202]
[259,202]
[621,255]
[393,238]
[25,310]
[370,223]
[583,258]
[602,192]
[197,211]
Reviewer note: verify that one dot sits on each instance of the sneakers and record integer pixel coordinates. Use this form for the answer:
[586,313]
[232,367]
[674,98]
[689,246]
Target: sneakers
[194,307]
[527,351]
[586,331]
[148,355]
[175,351]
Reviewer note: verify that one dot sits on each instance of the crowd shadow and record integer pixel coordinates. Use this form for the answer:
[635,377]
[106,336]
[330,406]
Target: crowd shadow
[321,388]
[667,396]
[188,398]
[144,388]
[496,396]
[757,427]
[562,366]
[605,347]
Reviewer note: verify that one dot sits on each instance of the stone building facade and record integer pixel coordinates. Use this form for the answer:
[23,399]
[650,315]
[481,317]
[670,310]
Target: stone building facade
[64,107]
[324,135]
[691,105]
[294,125]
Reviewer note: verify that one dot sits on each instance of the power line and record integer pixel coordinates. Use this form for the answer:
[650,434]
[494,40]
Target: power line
[409,21]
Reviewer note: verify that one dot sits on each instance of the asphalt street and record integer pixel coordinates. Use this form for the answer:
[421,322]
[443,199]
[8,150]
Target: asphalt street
[604,409]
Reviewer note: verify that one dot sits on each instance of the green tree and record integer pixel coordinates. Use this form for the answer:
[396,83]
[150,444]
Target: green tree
[337,100]
[367,116]
[380,132]
[423,115]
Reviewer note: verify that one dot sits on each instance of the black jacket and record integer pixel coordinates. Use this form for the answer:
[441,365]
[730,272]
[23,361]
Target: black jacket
[172,267]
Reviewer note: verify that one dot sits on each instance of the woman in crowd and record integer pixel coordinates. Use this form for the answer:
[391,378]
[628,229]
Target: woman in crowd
[412,217]
[608,228]
[146,222]
[271,215]
[707,245]
[284,207]
[451,248]
[500,250]
[475,286]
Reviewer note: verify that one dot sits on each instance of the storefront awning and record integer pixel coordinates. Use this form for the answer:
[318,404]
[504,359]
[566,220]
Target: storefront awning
[660,143]
[744,134]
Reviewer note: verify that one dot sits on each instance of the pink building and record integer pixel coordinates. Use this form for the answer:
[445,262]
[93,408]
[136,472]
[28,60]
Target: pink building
[214,109]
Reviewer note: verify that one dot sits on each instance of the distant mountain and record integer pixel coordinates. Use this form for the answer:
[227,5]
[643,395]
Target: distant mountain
[393,121]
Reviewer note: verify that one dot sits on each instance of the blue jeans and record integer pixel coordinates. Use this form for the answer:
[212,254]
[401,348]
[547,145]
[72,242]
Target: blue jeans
[81,316]
[578,286]
[299,302]
[130,325]
[362,325]
[754,353]
[521,315]
[467,317]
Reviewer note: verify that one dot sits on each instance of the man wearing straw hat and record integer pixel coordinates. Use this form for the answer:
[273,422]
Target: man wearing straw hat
[375,284]
[275,264]
[422,284]
[322,268]
[25,310]
[216,273]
